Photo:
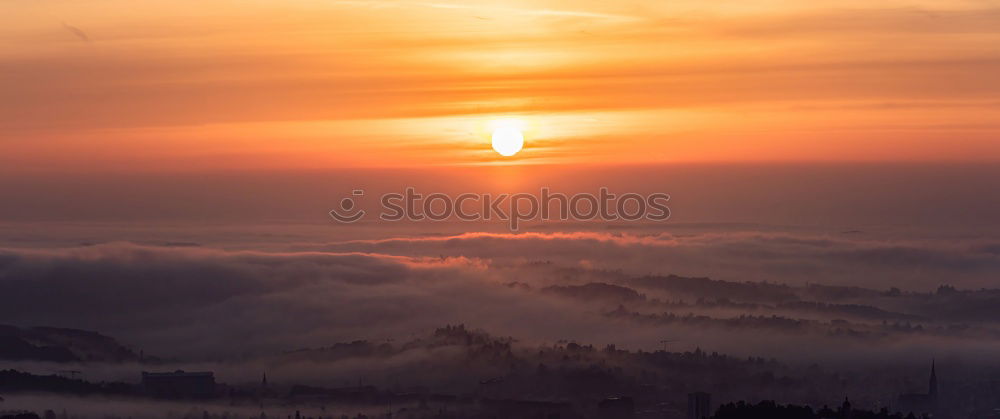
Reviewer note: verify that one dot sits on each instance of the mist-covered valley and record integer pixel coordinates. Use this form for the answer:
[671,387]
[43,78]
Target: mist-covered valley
[569,317]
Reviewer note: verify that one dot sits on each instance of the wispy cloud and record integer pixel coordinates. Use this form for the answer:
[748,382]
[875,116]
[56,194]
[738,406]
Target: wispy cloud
[531,12]
[495,9]
[76,31]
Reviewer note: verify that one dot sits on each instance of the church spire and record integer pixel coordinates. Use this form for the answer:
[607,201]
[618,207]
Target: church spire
[933,387]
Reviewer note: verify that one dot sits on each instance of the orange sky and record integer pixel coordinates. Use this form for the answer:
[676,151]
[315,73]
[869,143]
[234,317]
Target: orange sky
[204,84]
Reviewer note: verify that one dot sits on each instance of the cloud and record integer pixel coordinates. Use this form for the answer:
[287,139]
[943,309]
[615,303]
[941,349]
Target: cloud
[543,12]
[778,257]
[199,302]
[76,31]
[203,302]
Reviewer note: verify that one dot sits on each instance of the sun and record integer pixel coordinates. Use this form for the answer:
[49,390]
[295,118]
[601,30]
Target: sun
[507,136]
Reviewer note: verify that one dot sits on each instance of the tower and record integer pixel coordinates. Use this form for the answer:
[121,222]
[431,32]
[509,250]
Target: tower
[698,405]
[932,389]
[846,412]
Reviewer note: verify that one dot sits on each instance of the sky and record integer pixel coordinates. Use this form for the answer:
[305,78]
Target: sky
[177,161]
[116,86]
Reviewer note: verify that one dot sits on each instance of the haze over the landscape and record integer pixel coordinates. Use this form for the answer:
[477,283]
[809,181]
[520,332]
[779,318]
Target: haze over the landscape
[171,174]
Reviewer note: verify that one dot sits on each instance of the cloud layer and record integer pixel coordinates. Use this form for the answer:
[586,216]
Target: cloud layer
[198,303]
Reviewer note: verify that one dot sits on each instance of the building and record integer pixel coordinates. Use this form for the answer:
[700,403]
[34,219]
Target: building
[179,384]
[699,405]
[616,408]
[920,403]
[512,408]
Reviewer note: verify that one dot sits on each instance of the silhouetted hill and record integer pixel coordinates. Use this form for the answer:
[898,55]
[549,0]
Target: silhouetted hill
[60,345]
[768,409]
[596,291]
[740,291]
[12,381]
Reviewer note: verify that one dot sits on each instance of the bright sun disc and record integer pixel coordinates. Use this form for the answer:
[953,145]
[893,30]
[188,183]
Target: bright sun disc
[507,138]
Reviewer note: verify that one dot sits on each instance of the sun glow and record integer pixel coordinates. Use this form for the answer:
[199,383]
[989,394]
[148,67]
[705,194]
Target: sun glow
[508,138]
